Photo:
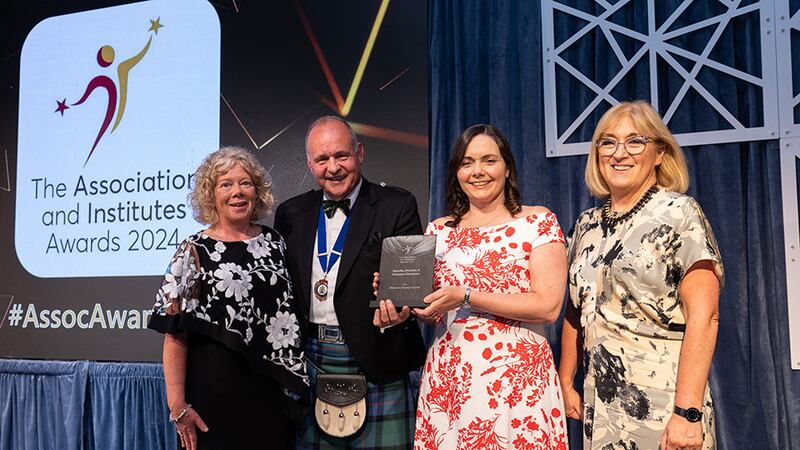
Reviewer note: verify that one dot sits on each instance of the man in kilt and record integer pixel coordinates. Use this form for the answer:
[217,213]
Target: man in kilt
[333,237]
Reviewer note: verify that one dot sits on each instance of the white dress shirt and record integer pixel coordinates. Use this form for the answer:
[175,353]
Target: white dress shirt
[322,311]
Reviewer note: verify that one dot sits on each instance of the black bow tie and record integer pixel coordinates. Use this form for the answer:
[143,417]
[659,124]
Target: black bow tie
[329,207]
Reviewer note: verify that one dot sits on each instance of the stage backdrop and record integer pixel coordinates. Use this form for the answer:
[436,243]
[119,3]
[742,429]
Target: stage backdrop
[487,65]
[108,107]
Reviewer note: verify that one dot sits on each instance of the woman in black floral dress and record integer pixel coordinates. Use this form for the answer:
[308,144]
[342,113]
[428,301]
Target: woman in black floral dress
[231,339]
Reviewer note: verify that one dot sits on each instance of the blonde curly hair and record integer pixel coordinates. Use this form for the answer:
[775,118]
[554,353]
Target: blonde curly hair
[218,163]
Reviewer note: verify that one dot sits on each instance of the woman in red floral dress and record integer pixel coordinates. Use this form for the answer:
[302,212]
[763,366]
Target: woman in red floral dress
[489,381]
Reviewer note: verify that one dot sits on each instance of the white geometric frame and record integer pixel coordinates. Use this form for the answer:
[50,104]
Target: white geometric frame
[790,153]
[655,43]
[784,24]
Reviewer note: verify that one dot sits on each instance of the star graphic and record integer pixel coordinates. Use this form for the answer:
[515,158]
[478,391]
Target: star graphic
[155,25]
[62,106]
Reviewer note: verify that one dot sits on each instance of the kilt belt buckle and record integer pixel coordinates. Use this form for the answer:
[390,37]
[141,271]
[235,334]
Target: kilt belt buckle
[329,334]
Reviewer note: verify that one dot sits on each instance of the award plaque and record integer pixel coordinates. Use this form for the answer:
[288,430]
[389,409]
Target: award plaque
[406,270]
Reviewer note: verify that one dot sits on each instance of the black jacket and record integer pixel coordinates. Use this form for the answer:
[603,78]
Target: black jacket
[378,212]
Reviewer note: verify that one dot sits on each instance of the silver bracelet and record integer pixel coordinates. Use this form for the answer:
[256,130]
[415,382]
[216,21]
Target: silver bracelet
[180,416]
[466,304]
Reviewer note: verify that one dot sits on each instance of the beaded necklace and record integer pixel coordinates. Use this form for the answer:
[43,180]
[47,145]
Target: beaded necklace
[613,218]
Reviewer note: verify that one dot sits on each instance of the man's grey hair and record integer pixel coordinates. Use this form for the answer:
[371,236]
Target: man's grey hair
[326,119]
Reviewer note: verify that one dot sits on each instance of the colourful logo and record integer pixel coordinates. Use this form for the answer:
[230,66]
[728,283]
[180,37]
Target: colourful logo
[101,182]
[105,57]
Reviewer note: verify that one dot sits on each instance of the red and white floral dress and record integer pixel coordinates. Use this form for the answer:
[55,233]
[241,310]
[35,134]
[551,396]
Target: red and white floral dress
[489,382]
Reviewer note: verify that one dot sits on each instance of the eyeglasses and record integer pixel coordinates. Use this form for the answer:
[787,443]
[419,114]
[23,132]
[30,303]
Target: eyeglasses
[634,145]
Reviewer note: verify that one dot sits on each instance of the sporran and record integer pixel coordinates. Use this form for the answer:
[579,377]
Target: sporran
[340,409]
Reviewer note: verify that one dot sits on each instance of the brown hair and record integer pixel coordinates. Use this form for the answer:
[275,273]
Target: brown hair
[457,201]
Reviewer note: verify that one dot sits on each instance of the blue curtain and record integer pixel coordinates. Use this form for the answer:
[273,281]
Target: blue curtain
[41,404]
[486,66]
[126,408]
[83,405]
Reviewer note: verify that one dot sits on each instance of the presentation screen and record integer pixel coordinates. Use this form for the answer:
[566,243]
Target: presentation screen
[111,106]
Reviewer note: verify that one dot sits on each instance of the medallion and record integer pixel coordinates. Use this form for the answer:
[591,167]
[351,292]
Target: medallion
[327,258]
[321,290]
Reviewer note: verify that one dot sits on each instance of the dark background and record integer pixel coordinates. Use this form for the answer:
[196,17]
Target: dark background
[272,80]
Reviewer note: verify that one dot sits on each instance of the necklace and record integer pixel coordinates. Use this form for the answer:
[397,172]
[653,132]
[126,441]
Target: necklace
[613,218]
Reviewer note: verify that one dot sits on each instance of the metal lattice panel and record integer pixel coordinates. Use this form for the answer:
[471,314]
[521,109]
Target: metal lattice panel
[790,167]
[787,34]
[685,58]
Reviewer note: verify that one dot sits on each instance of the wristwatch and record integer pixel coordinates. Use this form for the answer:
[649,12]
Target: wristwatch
[691,414]
[466,304]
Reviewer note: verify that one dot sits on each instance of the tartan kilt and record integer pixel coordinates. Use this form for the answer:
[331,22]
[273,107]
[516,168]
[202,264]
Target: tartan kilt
[391,407]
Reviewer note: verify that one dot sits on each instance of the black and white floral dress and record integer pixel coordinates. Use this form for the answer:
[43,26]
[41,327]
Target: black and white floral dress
[234,301]
[624,280]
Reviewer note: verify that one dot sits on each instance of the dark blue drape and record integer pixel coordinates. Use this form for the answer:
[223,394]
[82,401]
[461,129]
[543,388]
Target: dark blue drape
[486,66]
[83,405]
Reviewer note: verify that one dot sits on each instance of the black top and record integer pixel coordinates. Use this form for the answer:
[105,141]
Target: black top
[239,294]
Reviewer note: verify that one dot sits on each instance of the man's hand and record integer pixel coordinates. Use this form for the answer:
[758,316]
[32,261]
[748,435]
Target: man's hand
[386,315]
